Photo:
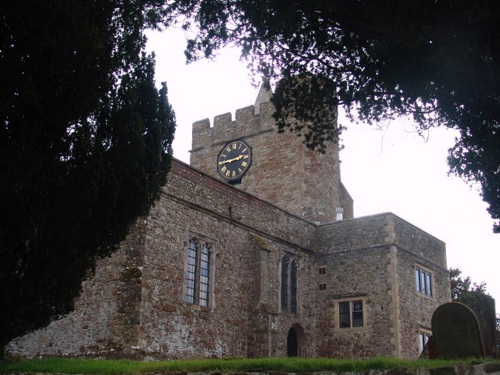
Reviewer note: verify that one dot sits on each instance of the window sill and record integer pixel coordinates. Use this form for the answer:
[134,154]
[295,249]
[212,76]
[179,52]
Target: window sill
[196,307]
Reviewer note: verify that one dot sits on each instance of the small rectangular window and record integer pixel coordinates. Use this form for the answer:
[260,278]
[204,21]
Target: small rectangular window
[322,270]
[322,286]
[351,314]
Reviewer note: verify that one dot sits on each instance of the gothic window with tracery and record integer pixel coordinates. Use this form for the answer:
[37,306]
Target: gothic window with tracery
[198,273]
[289,284]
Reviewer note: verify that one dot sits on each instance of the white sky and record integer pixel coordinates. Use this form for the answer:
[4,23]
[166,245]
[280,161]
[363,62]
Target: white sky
[389,170]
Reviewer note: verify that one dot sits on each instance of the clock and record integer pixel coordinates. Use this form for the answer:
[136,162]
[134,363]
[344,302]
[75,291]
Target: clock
[234,160]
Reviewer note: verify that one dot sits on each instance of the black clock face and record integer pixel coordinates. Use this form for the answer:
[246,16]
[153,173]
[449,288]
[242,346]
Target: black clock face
[234,160]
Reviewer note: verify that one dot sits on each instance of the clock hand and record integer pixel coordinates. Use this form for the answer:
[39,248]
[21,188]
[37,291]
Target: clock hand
[226,161]
[231,160]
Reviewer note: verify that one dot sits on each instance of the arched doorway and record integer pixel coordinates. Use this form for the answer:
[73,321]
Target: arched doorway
[293,343]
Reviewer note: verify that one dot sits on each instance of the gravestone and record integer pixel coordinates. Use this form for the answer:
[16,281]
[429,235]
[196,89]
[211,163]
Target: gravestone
[456,332]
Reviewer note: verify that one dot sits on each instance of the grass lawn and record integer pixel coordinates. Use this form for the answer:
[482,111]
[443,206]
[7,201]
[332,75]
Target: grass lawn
[295,365]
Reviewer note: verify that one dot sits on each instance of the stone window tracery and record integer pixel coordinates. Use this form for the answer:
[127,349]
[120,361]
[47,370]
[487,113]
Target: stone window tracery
[198,273]
[289,284]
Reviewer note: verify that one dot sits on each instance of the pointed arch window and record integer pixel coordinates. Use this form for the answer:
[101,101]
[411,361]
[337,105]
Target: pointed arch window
[198,273]
[293,287]
[289,284]
[285,263]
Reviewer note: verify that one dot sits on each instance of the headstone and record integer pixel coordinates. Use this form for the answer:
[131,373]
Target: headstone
[483,306]
[456,332]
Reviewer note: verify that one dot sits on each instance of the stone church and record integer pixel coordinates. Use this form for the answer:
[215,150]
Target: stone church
[253,250]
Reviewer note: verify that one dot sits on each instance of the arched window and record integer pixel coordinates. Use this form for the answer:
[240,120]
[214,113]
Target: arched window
[289,284]
[293,287]
[198,273]
[285,262]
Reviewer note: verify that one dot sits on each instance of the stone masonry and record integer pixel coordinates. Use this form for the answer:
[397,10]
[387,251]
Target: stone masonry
[283,276]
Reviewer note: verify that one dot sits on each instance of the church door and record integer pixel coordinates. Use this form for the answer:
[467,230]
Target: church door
[292,343]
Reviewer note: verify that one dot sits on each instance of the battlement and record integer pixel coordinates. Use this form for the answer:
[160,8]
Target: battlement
[247,122]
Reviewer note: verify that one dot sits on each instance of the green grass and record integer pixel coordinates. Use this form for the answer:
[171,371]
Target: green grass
[296,365]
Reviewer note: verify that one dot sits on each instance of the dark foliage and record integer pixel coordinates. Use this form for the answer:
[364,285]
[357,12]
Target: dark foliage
[85,145]
[437,61]
[461,286]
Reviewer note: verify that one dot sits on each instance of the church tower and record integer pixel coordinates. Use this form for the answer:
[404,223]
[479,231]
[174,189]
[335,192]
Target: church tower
[249,153]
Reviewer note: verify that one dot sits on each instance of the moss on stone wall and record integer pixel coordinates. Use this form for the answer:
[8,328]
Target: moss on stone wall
[133,274]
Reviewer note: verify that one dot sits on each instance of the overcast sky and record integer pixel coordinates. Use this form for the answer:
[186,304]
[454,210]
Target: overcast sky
[391,169]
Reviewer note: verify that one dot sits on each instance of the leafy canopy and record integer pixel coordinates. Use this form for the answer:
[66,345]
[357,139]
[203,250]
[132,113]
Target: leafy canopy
[85,146]
[437,61]
[461,286]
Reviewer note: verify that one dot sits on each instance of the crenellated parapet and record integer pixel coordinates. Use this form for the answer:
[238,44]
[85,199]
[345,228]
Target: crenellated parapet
[247,122]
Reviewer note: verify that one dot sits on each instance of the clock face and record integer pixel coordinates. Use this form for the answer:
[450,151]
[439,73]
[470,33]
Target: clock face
[234,160]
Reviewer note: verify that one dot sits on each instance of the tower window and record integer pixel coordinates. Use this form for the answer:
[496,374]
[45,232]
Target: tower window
[339,214]
[423,281]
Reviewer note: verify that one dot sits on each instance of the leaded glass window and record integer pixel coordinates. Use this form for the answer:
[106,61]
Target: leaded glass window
[351,314]
[198,273]
[289,284]
[285,262]
[423,281]
[293,287]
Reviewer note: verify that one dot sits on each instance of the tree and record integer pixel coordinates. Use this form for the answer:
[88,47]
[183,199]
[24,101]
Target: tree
[437,61]
[460,287]
[85,146]
[498,332]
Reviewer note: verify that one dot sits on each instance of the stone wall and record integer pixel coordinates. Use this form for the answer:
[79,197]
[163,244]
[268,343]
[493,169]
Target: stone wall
[134,305]
[245,270]
[357,275]
[373,259]
[105,318]
[350,235]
